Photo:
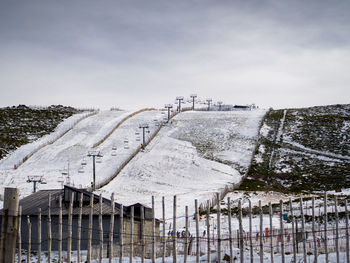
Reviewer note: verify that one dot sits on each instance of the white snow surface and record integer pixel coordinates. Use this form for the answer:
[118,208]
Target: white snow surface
[73,147]
[288,140]
[15,157]
[170,166]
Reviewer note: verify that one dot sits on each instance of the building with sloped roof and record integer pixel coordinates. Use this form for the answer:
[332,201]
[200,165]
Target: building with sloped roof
[30,209]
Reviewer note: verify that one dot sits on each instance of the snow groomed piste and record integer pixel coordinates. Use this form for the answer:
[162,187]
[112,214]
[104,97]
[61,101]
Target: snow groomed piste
[174,163]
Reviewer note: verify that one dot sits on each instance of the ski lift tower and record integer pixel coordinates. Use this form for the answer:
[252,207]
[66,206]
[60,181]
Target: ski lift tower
[208,101]
[168,106]
[144,127]
[179,100]
[36,179]
[193,97]
[220,104]
[94,154]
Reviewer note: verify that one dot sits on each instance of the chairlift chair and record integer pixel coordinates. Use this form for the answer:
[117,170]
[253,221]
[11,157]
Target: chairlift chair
[126,146]
[83,162]
[114,153]
[81,169]
[114,148]
[98,159]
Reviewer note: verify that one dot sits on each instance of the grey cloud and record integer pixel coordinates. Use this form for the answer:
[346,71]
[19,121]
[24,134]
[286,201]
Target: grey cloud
[136,53]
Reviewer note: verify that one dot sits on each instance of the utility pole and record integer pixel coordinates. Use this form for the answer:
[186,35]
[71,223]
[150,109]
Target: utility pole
[94,154]
[168,106]
[180,99]
[209,101]
[144,126]
[220,104]
[36,179]
[193,97]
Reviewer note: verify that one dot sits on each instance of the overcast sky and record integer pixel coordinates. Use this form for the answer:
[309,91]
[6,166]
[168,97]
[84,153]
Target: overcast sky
[133,54]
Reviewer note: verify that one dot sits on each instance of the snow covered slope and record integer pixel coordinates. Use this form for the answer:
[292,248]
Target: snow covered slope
[70,151]
[195,156]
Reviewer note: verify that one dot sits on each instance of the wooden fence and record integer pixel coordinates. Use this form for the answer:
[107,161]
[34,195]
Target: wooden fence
[296,235]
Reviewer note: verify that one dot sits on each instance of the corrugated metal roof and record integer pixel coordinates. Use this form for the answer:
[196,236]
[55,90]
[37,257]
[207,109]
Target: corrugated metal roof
[31,203]
[40,199]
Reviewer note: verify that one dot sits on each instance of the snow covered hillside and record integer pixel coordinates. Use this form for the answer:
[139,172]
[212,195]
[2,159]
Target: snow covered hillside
[304,149]
[193,157]
[69,153]
[22,124]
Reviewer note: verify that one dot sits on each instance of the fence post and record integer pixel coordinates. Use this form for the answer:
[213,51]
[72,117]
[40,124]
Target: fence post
[229,227]
[19,235]
[91,212]
[69,241]
[164,236]
[282,230]
[153,234]
[131,234]
[111,230]
[79,226]
[208,230]
[49,234]
[250,231]
[261,252]
[336,228]
[270,232]
[241,243]
[293,230]
[39,235]
[313,229]
[174,232]
[142,235]
[347,231]
[121,233]
[186,235]
[303,228]
[100,228]
[325,226]
[60,230]
[29,225]
[197,230]
[9,228]
[218,225]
